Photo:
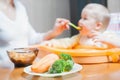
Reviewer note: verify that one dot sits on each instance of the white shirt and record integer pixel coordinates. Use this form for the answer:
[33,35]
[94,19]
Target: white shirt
[17,33]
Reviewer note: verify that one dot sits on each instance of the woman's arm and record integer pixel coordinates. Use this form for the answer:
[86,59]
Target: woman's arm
[59,27]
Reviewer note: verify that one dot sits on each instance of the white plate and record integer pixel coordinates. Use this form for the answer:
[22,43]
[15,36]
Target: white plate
[76,68]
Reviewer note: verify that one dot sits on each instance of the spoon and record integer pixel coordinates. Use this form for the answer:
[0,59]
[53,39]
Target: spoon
[74,26]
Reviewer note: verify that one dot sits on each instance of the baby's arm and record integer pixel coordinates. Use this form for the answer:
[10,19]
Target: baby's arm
[109,38]
[62,43]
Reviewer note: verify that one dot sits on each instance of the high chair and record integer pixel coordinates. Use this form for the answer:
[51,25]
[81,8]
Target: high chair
[89,54]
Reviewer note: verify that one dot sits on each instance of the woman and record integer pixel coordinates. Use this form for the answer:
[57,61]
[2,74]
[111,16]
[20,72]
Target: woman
[16,31]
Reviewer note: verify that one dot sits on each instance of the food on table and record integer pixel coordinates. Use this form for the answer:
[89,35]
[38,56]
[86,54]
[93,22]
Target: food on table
[65,56]
[22,56]
[52,63]
[43,64]
[69,65]
[64,64]
[58,66]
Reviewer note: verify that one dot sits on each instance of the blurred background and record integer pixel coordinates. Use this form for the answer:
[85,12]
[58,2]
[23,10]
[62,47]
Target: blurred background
[43,13]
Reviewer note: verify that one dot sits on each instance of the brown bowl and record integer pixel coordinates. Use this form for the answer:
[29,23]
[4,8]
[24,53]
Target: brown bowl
[22,56]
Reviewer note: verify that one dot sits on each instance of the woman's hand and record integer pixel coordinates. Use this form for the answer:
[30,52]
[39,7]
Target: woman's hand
[60,25]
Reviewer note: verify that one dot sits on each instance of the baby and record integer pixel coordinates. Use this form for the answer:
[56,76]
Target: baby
[94,21]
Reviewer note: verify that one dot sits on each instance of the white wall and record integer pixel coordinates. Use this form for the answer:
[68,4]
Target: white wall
[114,5]
[43,13]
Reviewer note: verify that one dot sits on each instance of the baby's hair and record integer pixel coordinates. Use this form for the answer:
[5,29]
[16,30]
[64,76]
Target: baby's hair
[100,13]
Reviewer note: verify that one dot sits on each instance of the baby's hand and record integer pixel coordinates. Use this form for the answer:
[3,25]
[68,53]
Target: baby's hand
[60,25]
[102,41]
